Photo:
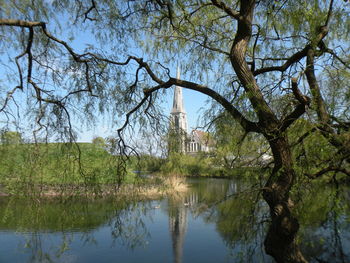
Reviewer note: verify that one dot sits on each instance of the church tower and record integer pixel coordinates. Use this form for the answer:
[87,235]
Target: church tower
[178,120]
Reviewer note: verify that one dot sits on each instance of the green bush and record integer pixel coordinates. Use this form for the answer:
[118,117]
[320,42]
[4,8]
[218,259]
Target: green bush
[188,165]
[57,164]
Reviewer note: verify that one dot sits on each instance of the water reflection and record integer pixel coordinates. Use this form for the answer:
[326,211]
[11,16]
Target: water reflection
[210,223]
[326,224]
[239,216]
[177,226]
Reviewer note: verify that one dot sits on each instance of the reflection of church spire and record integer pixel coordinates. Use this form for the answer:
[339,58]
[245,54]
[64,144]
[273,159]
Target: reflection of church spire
[178,228]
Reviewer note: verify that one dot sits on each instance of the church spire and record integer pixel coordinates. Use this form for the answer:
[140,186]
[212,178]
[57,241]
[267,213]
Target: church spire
[178,119]
[178,105]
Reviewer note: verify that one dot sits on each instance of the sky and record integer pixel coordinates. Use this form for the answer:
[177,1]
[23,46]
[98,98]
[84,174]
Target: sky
[193,101]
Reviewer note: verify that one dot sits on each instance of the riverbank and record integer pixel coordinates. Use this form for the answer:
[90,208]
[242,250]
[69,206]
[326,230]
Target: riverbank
[150,188]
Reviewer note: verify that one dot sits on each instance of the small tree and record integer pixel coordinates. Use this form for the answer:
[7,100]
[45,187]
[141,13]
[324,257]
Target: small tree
[11,137]
[99,141]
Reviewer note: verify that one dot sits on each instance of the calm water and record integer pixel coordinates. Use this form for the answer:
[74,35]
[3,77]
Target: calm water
[210,223]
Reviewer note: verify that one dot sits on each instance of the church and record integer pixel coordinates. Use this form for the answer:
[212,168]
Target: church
[181,141]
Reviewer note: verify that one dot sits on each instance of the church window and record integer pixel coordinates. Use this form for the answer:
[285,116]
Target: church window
[177,122]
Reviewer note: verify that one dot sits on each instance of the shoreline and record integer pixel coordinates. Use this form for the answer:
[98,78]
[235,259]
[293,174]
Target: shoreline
[145,190]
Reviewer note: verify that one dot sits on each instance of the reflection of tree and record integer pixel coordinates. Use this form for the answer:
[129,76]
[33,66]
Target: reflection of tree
[336,221]
[51,215]
[36,243]
[49,227]
[211,191]
[238,213]
[128,226]
[239,220]
[326,225]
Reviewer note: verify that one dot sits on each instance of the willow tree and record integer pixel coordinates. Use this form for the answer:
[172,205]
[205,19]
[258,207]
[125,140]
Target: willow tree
[241,54]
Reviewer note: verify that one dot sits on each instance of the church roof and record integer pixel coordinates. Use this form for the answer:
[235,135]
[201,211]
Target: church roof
[202,137]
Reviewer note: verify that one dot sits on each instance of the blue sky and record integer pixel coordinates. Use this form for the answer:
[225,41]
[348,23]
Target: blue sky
[193,101]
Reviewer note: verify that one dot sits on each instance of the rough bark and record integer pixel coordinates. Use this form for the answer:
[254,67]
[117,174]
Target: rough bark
[338,141]
[315,90]
[280,241]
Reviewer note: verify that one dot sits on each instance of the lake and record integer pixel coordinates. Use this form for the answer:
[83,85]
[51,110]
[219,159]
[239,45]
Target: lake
[217,220]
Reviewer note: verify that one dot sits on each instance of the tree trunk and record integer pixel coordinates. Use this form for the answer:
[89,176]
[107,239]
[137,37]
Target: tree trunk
[339,141]
[280,241]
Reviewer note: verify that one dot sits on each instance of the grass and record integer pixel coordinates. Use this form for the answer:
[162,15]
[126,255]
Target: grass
[58,164]
[67,169]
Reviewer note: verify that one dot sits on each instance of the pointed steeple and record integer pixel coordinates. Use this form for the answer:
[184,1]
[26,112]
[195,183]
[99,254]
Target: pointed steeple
[178,105]
[178,119]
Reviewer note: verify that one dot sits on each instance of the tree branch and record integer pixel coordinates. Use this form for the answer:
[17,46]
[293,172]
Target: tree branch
[346,64]
[231,12]
[86,14]
[315,89]
[267,119]
[328,169]
[8,97]
[20,23]
[290,61]
[297,93]
[247,125]
[299,110]
[329,14]
[323,30]
[202,44]
[304,136]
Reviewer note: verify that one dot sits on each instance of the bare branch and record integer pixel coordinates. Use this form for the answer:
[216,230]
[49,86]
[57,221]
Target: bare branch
[328,169]
[8,97]
[254,48]
[29,52]
[329,14]
[121,143]
[30,58]
[299,110]
[290,61]
[246,124]
[297,93]
[20,23]
[86,14]
[297,56]
[231,12]
[346,64]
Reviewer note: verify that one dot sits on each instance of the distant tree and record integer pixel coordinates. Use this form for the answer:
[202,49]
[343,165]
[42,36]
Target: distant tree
[11,137]
[99,141]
